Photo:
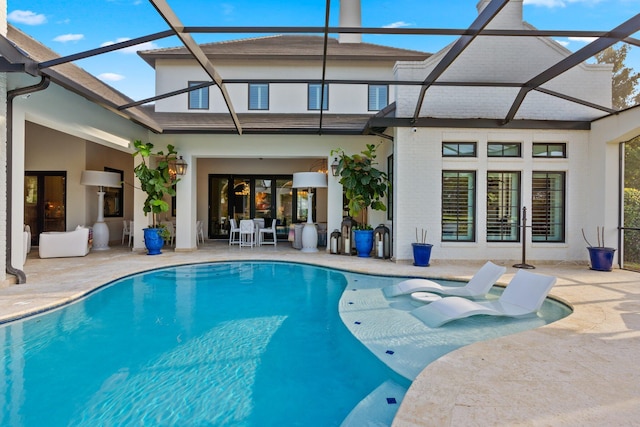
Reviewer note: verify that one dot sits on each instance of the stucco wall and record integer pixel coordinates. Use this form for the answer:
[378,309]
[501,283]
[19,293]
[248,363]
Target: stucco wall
[49,150]
[283,97]
[205,153]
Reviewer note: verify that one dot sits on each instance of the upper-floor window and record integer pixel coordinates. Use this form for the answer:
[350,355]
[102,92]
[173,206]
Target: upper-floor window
[545,149]
[378,97]
[315,96]
[504,149]
[258,96]
[199,98]
[459,149]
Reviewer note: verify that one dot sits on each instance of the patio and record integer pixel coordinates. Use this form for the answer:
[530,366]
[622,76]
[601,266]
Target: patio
[577,371]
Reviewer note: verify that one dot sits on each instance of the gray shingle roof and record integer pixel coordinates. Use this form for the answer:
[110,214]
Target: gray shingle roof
[76,79]
[299,47]
[261,123]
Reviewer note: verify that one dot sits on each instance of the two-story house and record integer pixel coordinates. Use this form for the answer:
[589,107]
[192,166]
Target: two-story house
[470,136]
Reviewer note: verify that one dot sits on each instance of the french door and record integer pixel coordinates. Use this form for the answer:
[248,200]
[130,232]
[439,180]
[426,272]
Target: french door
[254,196]
[45,199]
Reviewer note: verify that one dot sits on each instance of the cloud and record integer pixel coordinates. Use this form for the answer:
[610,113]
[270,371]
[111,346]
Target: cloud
[131,49]
[227,9]
[26,17]
[64,38]
[111,77]
[557,3]
[546,3]
[398,24]
[562,42]
[584,40]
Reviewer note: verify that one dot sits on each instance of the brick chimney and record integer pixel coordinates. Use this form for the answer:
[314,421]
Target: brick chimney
[350,16]
[509,18]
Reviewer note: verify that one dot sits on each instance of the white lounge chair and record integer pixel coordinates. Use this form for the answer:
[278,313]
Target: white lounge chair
[477,287]
[523,296]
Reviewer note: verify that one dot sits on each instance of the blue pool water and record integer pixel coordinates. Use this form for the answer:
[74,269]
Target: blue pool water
[242,344]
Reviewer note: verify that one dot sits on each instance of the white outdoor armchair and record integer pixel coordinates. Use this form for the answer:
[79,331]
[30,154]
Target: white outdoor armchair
[60,244]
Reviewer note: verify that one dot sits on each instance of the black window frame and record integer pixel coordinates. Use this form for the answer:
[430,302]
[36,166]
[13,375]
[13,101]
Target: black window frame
[536,196]
[448,149]
[115,194]
[469,237]
[204,90]
[369,98]
[501,152]
[325,99]
[547,154]
[504,224]
[259,108]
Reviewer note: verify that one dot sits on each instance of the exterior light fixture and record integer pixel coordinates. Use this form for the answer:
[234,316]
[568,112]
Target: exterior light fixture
[334,167]
[177,167]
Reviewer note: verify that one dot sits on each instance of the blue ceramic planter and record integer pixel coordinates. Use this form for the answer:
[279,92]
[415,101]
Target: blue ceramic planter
[421,254]
[364,242]
[153,241]
[601,258]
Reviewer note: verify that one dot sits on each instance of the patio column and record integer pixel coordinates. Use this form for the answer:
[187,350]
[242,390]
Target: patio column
[186,198]
[140,221]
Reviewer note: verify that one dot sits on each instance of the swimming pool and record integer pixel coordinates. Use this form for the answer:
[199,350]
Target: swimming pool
[245,344]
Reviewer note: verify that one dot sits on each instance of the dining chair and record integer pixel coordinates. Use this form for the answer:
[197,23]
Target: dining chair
[268,230]
[234,232]
[247,233]
[172,231]
[199,232]
[127,231]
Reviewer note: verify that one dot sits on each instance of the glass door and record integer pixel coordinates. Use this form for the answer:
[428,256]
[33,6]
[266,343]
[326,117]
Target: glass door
[247,197]
[284,206]
[263,198]
[218,207]
[241,199]
[45,195]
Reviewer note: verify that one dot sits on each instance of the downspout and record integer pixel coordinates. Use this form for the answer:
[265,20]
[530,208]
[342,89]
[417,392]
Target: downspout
[11,94]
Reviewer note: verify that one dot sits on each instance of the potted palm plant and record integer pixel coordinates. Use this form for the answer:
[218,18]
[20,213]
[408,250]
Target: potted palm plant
[157,182]
[601,256]
[365,187]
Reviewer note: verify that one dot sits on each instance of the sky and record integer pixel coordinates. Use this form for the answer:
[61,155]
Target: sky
[72,26]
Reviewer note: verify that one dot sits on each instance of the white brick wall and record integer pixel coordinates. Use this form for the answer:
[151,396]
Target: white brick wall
[418,195]
[506,60]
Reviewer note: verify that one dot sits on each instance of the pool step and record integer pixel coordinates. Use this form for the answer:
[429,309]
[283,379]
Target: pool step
[378,408]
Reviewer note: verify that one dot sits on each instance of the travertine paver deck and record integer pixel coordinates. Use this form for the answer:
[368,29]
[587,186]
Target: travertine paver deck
[581,370]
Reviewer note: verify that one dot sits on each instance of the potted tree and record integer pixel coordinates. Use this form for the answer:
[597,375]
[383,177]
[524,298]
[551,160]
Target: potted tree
[601,256]
[365,186]
[156,182]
